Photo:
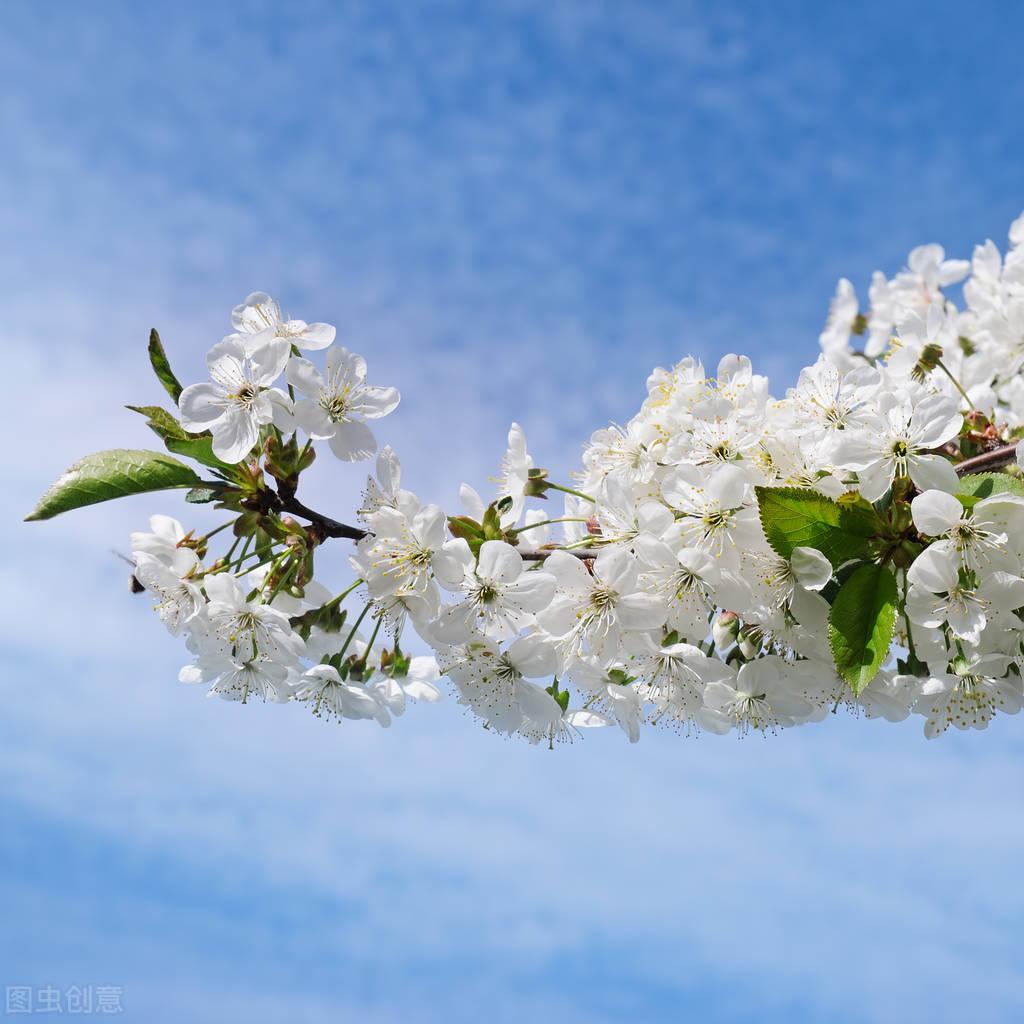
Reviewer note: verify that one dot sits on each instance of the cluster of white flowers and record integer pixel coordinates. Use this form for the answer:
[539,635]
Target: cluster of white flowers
[725,560]
[258,625]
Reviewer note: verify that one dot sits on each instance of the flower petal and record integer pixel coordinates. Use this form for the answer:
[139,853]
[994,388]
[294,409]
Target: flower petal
[935,512]
[353,442]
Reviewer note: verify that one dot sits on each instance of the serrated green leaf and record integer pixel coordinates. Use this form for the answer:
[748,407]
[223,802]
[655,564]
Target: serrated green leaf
[160,421]
[161,367]
[861,624]
[984,485]
[112,474]
[801,517]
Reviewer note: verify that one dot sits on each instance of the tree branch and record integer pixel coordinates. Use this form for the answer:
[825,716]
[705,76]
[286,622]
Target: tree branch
[324,524]
[988,460]
[539,554]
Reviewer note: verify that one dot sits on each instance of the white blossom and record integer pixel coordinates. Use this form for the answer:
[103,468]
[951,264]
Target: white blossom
[334,408]
[238,401]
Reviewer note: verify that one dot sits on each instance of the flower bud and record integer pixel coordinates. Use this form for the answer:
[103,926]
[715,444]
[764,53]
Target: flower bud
[749,643]
[725,630]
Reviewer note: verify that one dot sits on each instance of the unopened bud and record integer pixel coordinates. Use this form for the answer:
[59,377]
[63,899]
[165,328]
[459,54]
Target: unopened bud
[749,644]
[725,630]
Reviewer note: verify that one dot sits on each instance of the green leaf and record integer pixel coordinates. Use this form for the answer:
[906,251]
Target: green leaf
[801,517]
[203,495]
[179,440]
[161,367]
[200,448]
[861,623]
[112,474]
[160,421]
[984,485]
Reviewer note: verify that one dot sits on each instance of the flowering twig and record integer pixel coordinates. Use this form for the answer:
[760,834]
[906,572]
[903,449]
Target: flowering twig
[539,554]
[324,524]
[988,460]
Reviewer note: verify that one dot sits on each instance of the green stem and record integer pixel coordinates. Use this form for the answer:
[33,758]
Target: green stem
[967,398]
[548,485]
[231,550]
[245,549]
[214,532]
[274,563]
[291,390]
[337,599]
[352,632]
[376,630]
[586,542]
[285,576]
[547,522]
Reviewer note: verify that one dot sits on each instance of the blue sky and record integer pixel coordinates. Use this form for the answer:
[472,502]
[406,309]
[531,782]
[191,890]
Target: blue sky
[515,210]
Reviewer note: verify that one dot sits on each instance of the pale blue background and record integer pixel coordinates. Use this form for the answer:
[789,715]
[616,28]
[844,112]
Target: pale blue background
[515,211]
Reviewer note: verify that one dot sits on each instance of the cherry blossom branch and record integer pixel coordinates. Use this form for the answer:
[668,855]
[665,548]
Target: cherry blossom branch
[988,460]
[332,528]
[539,554]
[324,524]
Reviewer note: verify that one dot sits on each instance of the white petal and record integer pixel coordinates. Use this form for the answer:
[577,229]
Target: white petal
[373,402]
[875,480]
[935,421]
[226,359]
[935,512]
[640,611]
[586,719]
[200,405]
[935,569]
[316,336]
[569,571]
[304,377]
[533,656]
[235,434]
[269,360]
[313,419]
[499,561]
[451,563]
[811,568]
[533,590]
[933,472]
[341,362]
[353,441]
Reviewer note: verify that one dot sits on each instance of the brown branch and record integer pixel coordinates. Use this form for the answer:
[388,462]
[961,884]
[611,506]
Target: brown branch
[324,525]
[988,460]
[539,554]
[328,527]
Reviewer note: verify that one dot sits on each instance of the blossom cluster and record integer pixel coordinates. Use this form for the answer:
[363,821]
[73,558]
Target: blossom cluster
[723,561]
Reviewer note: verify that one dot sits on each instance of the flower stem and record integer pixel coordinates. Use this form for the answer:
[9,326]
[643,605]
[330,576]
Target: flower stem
[337,599]
[547,522]
[967,398]
[352,632]
[548,485]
